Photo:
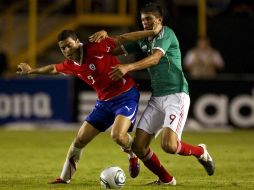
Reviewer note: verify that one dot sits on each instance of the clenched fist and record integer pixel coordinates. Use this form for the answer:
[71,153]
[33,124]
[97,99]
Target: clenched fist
[23,69]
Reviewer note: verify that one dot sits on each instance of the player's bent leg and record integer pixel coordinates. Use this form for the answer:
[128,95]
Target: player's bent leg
[120,136]
[86,133]
[140,146]
[119,131]
[172,145]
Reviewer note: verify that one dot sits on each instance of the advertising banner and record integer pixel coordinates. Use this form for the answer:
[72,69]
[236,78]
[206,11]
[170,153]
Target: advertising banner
[217,103]
[30,99]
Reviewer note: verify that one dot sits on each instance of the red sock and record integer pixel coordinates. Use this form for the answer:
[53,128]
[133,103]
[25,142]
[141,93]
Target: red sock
[188,150]
[152,162]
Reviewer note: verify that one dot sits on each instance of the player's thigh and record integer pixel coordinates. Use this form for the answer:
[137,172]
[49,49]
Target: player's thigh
[152,118]
[121,125]
[86,133]
[169,140]
[176,108]
[126,112]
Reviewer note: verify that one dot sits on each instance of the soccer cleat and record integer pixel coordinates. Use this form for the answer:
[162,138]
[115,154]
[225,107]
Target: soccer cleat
[159,182]
[59,180]
[134,166]
[206,160]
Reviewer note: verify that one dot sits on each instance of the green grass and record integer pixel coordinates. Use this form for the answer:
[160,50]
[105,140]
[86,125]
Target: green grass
[29,159]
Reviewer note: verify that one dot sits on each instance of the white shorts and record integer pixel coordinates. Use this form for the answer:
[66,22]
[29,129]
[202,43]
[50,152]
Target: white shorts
[165,111]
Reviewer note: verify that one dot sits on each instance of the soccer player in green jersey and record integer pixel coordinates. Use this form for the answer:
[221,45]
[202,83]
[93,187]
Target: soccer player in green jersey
[168,106]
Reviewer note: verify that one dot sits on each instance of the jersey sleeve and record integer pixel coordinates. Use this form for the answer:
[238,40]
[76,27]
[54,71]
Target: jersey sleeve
[130,47]
[63,68]
[164,40]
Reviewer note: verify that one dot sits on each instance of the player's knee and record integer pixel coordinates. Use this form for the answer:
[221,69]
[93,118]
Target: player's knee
[170,148]
[117,136]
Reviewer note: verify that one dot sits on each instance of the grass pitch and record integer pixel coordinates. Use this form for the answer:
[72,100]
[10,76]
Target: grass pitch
[29,159]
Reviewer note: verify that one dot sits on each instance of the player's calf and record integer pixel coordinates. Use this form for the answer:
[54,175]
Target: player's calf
[69,168]
[70,165]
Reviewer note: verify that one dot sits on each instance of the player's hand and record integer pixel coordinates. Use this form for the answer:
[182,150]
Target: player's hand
[98,36]
[118,72]
[23,69]
[157,27]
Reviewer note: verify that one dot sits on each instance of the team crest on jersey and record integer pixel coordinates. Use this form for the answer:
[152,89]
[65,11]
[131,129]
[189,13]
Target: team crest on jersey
[92,67]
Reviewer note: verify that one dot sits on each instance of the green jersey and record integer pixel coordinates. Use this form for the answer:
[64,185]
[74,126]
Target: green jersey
[167,76]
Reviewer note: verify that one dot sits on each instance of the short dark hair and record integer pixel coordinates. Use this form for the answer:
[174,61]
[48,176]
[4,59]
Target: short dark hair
[63,35]
[152,7]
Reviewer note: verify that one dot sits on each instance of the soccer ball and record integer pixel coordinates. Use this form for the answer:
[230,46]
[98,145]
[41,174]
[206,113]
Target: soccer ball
[112,178]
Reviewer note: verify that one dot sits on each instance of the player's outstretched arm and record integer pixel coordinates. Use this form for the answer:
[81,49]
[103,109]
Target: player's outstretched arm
[26,69]
[127,37]
[134,36]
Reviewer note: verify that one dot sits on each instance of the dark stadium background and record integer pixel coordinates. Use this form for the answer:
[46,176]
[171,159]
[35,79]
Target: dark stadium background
[229,25]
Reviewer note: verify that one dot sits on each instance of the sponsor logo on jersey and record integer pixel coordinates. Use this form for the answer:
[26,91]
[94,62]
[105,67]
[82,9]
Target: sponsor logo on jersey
[129,109]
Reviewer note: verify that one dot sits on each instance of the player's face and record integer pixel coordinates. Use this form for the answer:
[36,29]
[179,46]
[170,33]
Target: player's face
[149,20]
[69,48]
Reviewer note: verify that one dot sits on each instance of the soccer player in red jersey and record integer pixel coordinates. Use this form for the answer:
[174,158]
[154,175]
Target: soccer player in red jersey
[117,102]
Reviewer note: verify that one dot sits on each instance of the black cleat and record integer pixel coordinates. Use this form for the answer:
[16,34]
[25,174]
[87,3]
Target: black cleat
[206,160]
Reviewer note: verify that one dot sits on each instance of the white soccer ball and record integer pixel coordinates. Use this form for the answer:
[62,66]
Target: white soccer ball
[112,178]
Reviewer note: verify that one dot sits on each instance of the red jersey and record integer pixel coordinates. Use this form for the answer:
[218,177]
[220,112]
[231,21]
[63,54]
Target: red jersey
[96,64]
